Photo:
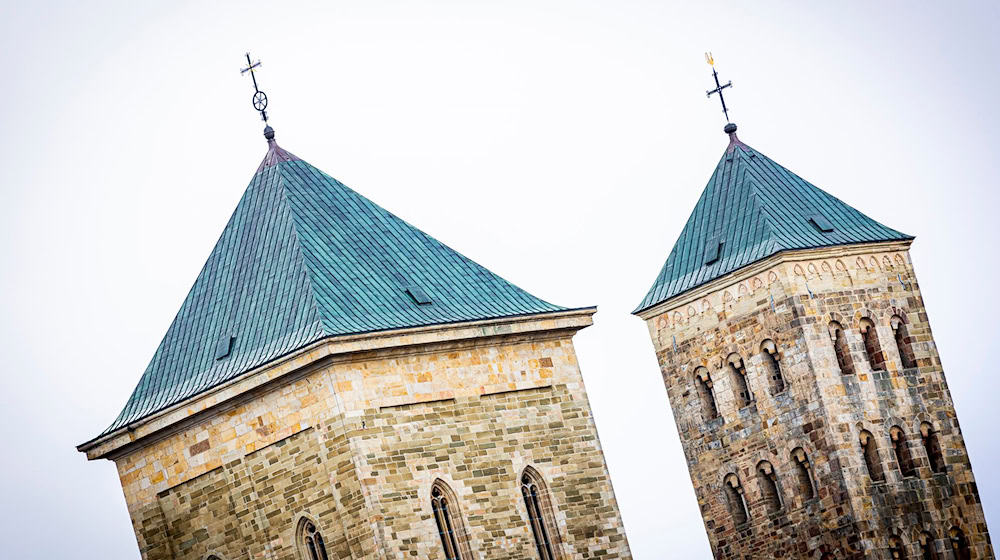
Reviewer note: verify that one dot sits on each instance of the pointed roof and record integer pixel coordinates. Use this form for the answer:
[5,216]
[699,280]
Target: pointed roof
[751,209]
[304,258]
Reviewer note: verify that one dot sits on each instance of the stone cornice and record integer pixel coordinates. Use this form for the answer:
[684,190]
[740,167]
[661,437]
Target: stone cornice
[178,416]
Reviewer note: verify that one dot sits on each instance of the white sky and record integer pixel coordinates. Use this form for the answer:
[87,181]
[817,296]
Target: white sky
[560,144]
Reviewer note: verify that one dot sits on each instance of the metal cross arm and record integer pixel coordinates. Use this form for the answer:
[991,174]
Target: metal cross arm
[718,87]
[259,97]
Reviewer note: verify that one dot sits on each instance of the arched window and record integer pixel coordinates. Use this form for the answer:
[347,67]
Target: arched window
[213,557]
[902,451]
[739,374]
[543,525]
[927,549]
[310,541]
[768,483]
[840,348]
[705,393]
[737,502]
[903,342]
[769,353]
[803,472]
[869,449]
[449,522]
[896,549]
[932,446]
[959,544]
[872,348]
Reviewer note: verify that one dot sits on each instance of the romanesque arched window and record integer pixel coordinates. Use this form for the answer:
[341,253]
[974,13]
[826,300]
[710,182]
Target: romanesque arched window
[769,353]
[803,474]
[740,383]
[768,483]
[902,451]
[540,514]
[872,348]
[869,451]
[932,446]
[927,549]
[451,529]
[736,499]
[841,349]
[703,383]
[903,342]
[213,557]
[310,540]
[896,549]
[959,544]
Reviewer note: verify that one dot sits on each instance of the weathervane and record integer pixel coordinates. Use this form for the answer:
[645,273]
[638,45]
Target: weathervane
[718,88]
[259,98]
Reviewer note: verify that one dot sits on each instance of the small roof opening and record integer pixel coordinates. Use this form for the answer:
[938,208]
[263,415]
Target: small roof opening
[821,223]
[418,295]
[713,249]
[224,346]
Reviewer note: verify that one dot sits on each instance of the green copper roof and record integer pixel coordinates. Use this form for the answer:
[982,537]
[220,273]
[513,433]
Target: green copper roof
[303,258]
[751,209]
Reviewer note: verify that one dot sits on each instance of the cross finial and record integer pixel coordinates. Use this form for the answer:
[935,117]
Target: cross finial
[718,87]
[259,98]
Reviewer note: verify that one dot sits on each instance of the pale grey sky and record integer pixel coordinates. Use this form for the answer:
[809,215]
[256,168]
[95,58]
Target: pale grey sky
[560,144]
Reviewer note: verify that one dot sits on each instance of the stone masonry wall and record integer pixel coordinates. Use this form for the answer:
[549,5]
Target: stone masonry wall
[821,411]
[354,444]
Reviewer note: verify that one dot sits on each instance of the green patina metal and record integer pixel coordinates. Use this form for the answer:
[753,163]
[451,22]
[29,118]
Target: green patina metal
[304,258]
[753,208]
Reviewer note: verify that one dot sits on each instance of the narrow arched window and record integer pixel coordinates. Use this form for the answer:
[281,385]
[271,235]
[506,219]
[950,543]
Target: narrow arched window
[927,548]
[543,525]
[872,348]
[959,544]
[709,411]
[896,549]
[902,451]
[739,375]
[932,446]
[449,522]
[769,353]
[768,483]
[803,474]
[841,349]
[212,557]
[310,541]
[869,450]
[736,499]
[903,342]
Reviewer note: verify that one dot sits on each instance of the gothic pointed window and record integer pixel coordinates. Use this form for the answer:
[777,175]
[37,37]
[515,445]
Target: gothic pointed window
[803,474]
[872,348]
[932,446]
[740,383]
[959,544]
[703,383]
[903,342]
[841,349]
[736,499]
[902,451]
[449,522]
[769,353]
[869,451]
[768,483]
[540,514]
[896,549]
[310,541]
[927,548]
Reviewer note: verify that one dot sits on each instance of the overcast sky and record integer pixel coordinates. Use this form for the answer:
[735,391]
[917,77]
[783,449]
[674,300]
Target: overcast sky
[559,144]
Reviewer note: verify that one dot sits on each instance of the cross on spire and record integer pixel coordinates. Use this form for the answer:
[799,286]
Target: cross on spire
[259,98]
[718,87]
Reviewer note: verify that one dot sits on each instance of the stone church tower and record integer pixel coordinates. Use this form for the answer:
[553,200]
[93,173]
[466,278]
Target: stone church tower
[809,395]
[339,385]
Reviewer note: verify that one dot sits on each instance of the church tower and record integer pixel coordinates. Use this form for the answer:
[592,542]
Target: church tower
[809,396]
[339,385]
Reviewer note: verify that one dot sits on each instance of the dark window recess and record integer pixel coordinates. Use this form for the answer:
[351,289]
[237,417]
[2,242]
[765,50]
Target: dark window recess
[224,346]
[821,223]
[713,249]
[419,296]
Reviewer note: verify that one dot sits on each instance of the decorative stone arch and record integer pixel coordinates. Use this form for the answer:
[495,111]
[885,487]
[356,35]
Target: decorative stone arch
[867,443]
[925,540]
[310,544]
[899,324]
[541,513]
[873,264]
[768,486]
[704,388]
[735,499]
[841,344]
[705,306]
[886,263]
[757,283]
[213,555]
[441,492]
[772,277]
[868,327]
[825,267]
[860,264]
[741,378]
[811,267]
[770,358]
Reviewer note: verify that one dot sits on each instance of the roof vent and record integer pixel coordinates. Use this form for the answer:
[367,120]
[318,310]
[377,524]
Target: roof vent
[224,346]
[821,223]
[713,249]
[418,295]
